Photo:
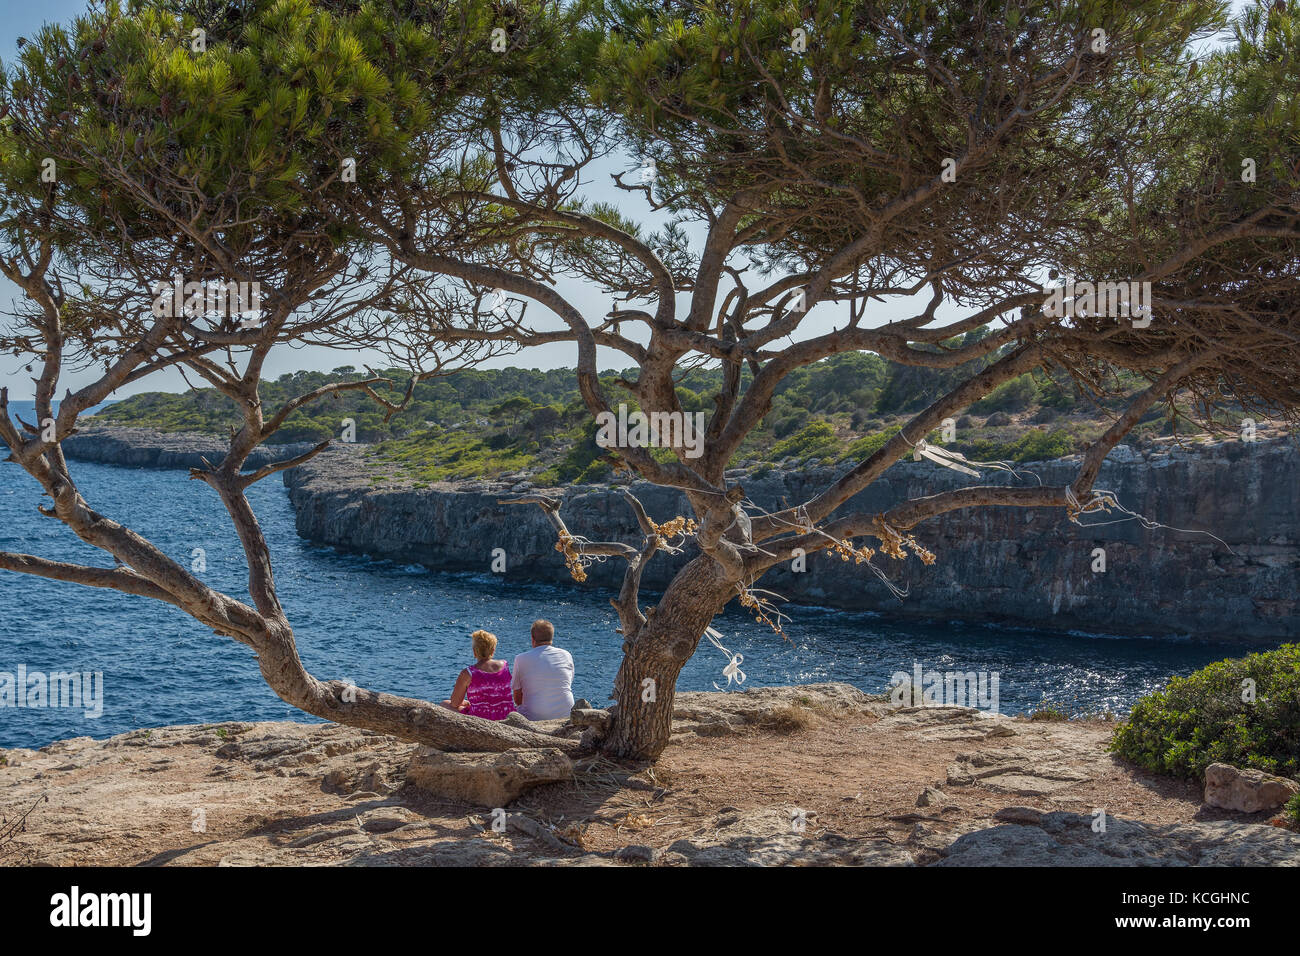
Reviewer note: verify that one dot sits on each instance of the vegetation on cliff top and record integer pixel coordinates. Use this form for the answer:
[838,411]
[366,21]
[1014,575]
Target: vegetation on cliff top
[488,422]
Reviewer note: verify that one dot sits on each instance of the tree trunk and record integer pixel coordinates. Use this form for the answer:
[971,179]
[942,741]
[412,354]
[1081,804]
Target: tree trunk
[646,684]
[645,689]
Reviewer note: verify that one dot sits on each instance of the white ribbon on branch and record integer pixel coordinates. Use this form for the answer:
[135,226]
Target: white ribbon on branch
[732,671]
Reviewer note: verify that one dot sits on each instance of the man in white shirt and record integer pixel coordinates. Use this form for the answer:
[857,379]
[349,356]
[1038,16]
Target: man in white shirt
[542,678]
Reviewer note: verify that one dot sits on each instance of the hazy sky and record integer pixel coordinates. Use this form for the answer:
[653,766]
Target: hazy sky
[23,18]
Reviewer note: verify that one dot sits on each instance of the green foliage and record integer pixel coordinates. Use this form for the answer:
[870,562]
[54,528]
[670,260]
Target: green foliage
[527,398]
[815,440]
[1033,445]
[506,420]
[451,455]
[582,464]
[1013,396]
[1292,811]
[867,446]
[1201,719]
[251,116]
[1049,713]
[709,77]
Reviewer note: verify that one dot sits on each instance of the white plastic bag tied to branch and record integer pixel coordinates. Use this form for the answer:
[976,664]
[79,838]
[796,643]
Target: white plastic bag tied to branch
[956,460]
[949,459]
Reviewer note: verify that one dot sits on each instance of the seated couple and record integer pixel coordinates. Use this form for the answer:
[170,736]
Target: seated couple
[540,687]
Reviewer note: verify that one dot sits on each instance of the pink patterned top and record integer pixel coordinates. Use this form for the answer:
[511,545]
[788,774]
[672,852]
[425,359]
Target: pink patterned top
[489,695]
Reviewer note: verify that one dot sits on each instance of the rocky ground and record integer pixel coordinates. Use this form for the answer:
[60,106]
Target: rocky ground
[812,775]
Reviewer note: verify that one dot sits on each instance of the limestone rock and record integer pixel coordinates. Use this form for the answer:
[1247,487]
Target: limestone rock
[767,838]
[149,448]
[516,719]
[287,749]
[590,717]
[752,704]
[1068,839]
[637,853]
[1014,770]
[386,819]
[348,778]
[1183,590]
[1246,791]
[931,797]
[537,830]
[490,780]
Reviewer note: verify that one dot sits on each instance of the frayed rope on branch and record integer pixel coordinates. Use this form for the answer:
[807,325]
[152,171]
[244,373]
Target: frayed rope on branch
[1106,501]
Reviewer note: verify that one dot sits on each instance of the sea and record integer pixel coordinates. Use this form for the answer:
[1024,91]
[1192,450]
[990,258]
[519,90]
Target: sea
[405,630]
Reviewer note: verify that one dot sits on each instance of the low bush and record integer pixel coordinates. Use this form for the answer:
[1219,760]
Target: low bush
[1243,711]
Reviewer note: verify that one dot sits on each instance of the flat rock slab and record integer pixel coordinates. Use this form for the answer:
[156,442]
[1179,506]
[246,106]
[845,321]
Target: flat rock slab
[769,837]
[1015,770]
[1068,839]
[276,793]
[753,704]
[489,780]
[947,723]
[707,714]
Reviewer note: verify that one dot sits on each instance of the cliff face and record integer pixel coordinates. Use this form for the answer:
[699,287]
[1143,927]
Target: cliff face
[1024,567]
[148,448]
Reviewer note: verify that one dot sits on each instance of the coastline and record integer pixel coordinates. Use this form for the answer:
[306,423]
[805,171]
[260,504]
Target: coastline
[1237,580]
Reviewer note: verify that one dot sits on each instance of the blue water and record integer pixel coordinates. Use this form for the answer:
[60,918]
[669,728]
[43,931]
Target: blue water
[405,630]
[26,410]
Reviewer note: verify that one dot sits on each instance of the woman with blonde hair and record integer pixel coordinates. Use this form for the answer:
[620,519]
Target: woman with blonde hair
[483,688]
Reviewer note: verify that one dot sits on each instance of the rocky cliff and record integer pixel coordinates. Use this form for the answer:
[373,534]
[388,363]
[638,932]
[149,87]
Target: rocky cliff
[1236,580]
[149,448]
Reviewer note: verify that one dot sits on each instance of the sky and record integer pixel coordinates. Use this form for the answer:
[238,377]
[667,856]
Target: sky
[23,18]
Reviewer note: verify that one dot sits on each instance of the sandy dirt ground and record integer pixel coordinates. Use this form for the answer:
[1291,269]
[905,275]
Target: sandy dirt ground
[785,776]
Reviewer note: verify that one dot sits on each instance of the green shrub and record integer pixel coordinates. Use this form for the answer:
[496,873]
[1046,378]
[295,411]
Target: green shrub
[1013,396]
[595,473]
[811,440]
[1049,712]
[1042,446]
[1033,445]
[868,445]
[1201,719]
[1292,811]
